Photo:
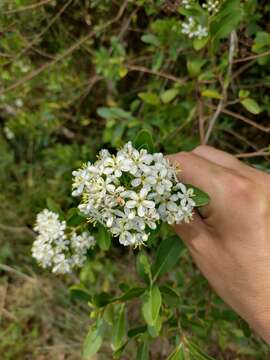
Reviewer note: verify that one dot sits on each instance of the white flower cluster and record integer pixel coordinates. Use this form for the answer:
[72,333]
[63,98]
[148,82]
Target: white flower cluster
[194,30]
[54,249]
[212,6]
[187,4]
[130,192]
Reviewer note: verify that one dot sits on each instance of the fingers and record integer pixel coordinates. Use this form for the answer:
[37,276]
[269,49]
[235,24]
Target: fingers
[201,173]
[219,157]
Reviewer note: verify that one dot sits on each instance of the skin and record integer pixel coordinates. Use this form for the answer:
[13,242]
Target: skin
[229,239]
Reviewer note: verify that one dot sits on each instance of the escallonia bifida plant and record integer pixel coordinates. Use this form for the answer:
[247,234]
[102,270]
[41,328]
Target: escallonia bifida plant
[126,196]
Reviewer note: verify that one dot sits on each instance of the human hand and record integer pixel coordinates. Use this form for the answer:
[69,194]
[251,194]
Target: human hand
[230,239]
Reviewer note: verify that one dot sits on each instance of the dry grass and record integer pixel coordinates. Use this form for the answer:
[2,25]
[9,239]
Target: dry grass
[38,320]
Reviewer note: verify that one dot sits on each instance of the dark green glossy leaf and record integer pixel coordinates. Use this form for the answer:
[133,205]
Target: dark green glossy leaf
[201,198]
[131,294]
[102,299]
[168,254]
[137,331]
[79,292]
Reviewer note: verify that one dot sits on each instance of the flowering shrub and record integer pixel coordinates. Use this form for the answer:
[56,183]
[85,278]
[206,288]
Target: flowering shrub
[127,194]
[80,76]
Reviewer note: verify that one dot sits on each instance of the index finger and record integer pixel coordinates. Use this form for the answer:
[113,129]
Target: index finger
[203,174]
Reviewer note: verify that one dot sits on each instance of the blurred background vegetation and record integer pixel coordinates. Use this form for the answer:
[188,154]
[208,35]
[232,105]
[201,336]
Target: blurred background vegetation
[79,75]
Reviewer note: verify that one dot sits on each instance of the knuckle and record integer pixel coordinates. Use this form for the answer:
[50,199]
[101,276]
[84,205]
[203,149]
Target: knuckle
[201,149]
[248,192]
[239,186]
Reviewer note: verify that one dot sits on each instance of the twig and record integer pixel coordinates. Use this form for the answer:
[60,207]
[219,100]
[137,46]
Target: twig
[38,36]
[182,126]
[93,80]
[17,229]
[153,72]
[242,138]
[252,57]
[14,271]
[246,120]
[66,53]
[212,122]
[28,7]
[253,154]
[200,116]
[242,69]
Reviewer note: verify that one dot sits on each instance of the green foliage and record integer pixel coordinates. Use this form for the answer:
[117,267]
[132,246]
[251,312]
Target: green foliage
[133,76]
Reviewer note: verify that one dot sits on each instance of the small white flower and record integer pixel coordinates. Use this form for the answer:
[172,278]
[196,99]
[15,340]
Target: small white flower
[212,6]
[185,195]
[139,201]
[8,133]
[19,103]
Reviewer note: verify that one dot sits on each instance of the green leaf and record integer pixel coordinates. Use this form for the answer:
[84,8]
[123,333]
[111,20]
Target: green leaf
[93,341]
[168,254]
[151,305]
[177,354]
[118,353]
[114,113]
[194,66]
[144,140]
[251,105]
[102,299]
[200,197]
[104,238]
[74,218]
[79,292]
[226,20]
[170,296]
[198,353]
[168,95]
[131,294]
[261,42]
[143,351]
[198,44]
[211,93]
[243,93]
[149,98]
[154,330]
[118,330]
[137,331]
[53,206]
[150,39]
[143,267]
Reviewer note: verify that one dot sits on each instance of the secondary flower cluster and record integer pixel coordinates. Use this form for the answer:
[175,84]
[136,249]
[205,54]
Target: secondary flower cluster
[53,248]
[130,192]
[194,30]
[192,27]
[212,6]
